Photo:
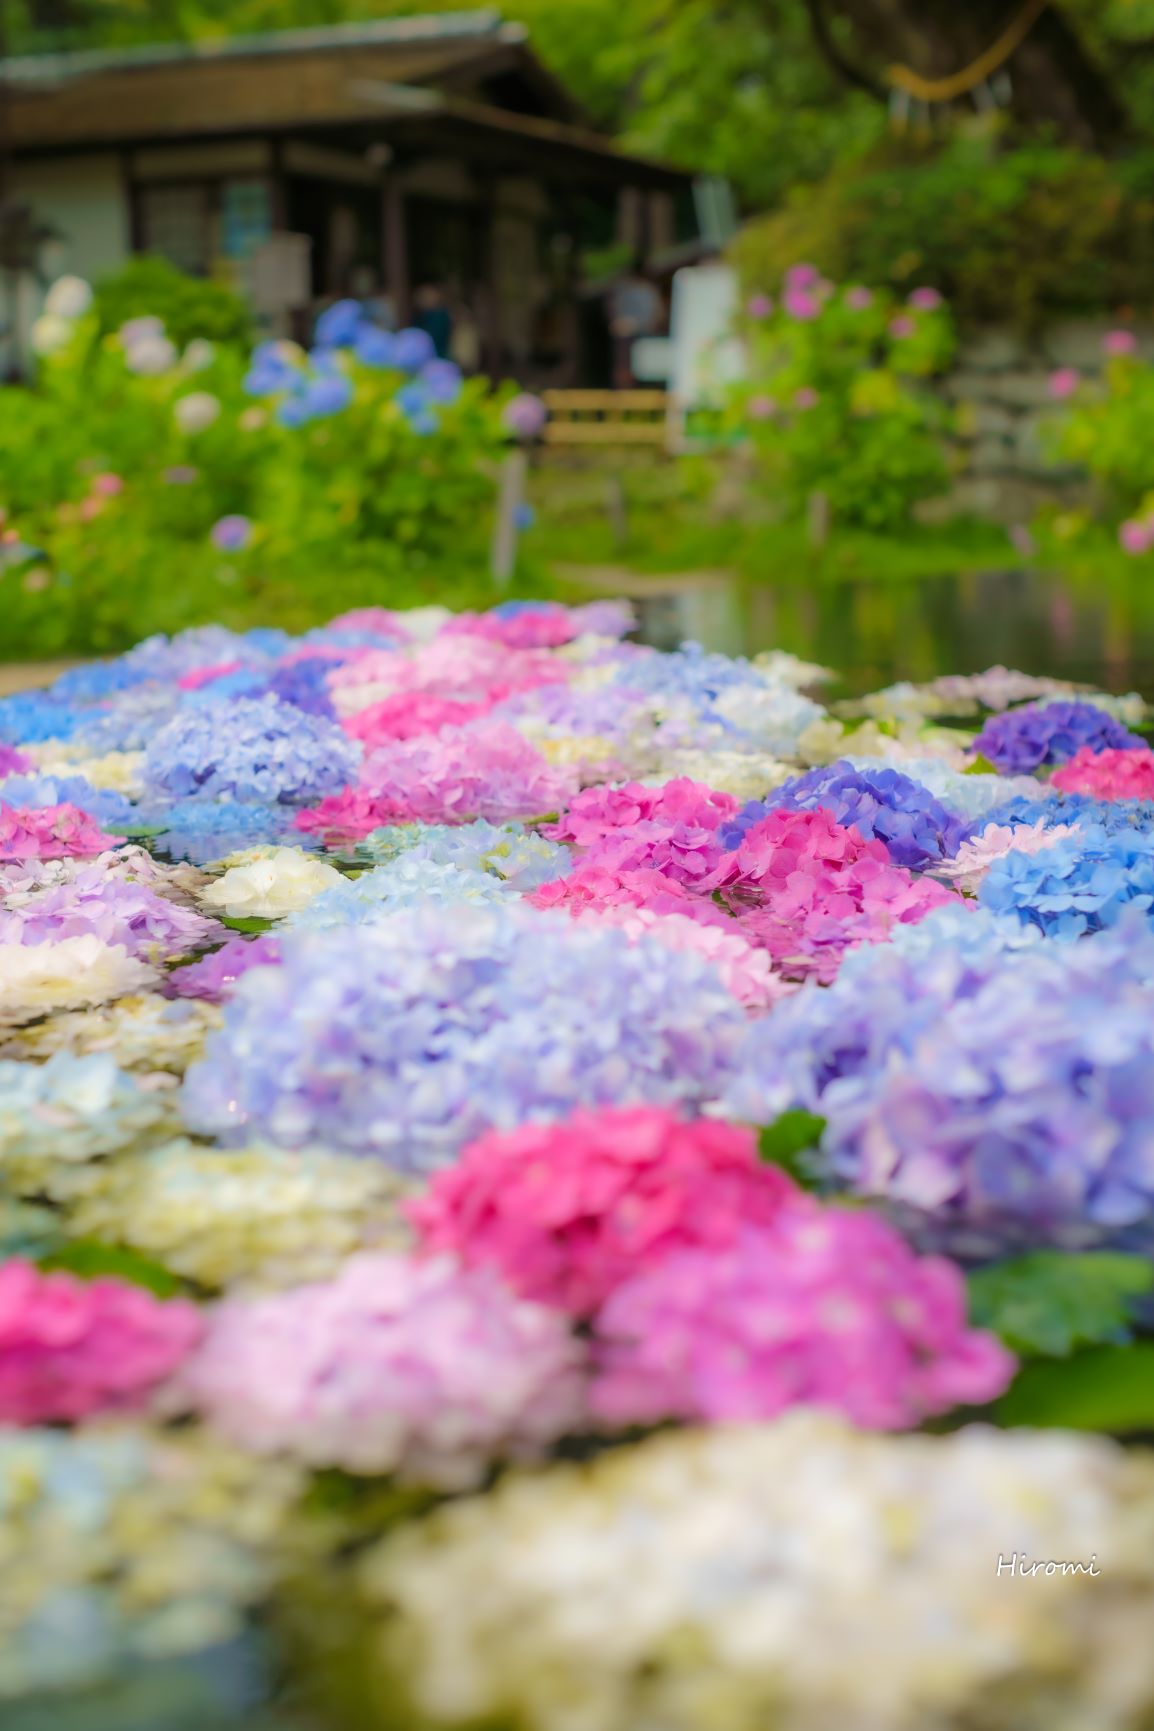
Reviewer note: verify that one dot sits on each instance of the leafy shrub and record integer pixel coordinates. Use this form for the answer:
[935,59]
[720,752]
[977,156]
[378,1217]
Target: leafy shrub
[187,306]
[834,404]
[1107,428]
[146,488]
[1005,234]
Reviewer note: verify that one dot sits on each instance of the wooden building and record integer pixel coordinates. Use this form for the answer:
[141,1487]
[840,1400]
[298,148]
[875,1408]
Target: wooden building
[424,150]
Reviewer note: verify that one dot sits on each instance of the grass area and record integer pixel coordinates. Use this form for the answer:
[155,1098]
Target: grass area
[655,519]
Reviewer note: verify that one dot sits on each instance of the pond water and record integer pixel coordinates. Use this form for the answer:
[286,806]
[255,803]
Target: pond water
[876,631]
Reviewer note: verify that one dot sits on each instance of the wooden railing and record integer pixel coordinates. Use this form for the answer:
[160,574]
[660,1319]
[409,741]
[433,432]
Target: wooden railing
[606,417]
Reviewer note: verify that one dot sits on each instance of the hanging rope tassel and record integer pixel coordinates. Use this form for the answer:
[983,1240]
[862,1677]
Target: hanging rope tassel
[980,73]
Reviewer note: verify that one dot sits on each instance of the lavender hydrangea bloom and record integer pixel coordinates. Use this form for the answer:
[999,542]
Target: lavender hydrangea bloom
[303,684]
[1021,740]
[94,681]
[170,658]
[269,751]
[970,796]
[30,792]
[214,976]
[1081,884]
[882,804]
[994,1090]
[112,909]
[409,1038]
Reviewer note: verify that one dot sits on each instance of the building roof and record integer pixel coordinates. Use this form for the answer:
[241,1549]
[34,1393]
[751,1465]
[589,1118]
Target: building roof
[47,70]
[400,77]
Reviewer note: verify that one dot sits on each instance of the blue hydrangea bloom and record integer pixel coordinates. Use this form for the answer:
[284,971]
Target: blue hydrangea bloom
[94,681]
[130,721]
[1065,808]
[28,717]
[328,394]
[270,752]
[970,796]
[402,883]
[509,851]
[412,350]
[374,347]
[1001,1089]
[31,792]
[199,831]
[303,683]
[1020,740]
[1081,884]
[881,804]
[442,381]
[339,325]
[409,1038]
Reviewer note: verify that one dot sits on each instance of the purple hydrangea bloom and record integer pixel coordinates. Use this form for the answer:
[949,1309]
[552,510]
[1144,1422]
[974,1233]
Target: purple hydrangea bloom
[269,751]
[115,910]
[993,1089]
[1021,740]
[215,976]
[882,804]
[170,658]
[304,684]
[231,534]
[408,1038]
[1081,884]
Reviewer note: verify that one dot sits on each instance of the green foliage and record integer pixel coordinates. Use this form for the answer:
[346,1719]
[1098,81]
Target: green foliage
[1006,234]
[835,402]
[89,1259]
[1106,1388]
[110,502]
[1052,1301]
[188,306]
[1108,430]
[787,1140]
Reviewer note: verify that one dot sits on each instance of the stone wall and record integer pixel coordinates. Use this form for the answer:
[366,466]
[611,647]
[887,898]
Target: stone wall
[1000,390]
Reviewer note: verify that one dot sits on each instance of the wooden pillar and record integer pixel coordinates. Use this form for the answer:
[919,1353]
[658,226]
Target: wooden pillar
[395,249]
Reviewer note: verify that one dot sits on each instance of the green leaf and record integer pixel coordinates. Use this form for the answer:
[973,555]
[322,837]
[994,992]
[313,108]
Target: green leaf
[140,831]
[785,1142]
[88,1259]
[980,766]
[1052,1301]
[250,927]
[1105,1388]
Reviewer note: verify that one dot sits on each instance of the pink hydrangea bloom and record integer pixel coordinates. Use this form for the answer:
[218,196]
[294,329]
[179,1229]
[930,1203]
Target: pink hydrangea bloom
[52,832]
[747,972]
[859,298]
[926,300]
[464,668]
[484,770]
[1064,382]
[408,715]
[806,398]
[379,619]
[823,1307]
[807,888]
[569,1211]
[761,407]
[679,851]
[543,627]
[69,1347]
[396,1365]
[599,810]
[902,327]
[975,857]
[1119,342]
[1136,536]
[598,886]
[13,762]
[205,675]
[759,306]
[1108,774]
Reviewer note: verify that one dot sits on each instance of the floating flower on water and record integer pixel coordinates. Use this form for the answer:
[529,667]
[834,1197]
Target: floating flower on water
[820,1306]
[1026,739]
[51,832]
[38,978]
[118,912]
[569,1211]
[282,882]
[395,1365]
[269,751]
[69,1348]
[1080,883]
[409,1037]
[144,1032]
[1109,774]
[75,1109]
[692,1578]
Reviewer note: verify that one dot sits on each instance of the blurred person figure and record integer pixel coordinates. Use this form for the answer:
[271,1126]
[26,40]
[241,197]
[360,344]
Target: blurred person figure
[433,314]
[635,310]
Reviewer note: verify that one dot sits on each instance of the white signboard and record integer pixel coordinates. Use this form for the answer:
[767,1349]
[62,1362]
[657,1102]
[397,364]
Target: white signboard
[707,356]
[279,274]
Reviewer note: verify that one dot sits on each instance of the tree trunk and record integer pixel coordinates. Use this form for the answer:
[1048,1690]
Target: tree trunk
[1054,80]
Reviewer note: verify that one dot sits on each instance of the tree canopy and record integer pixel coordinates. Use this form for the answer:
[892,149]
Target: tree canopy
[765,92]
